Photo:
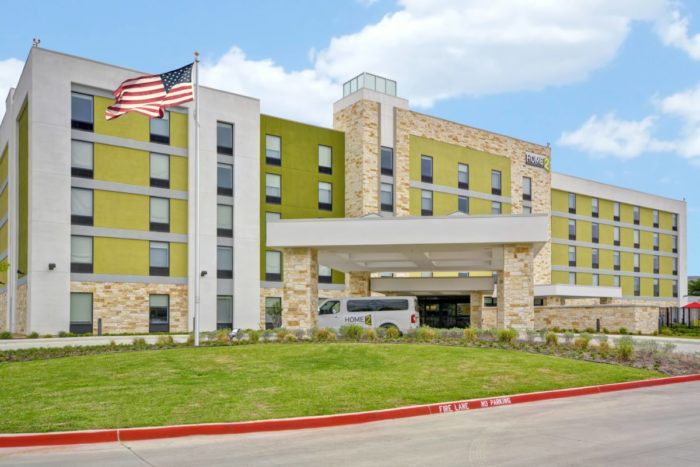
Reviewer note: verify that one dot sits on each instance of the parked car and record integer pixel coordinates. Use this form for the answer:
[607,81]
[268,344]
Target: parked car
[370,312]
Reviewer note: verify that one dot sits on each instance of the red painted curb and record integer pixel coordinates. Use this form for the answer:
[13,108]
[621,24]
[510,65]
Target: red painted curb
[135,434]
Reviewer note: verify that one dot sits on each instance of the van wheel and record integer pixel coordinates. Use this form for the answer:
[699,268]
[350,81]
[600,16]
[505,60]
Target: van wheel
[391,326]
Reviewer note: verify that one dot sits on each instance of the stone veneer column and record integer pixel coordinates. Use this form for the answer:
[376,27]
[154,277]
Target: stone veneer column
[300,288]
[358,284]
[516,288]
[475,315]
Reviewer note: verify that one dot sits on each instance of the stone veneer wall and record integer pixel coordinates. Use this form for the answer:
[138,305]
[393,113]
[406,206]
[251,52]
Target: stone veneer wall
[358,284]
[300,295]
[279,292]
[360,122]
[124,306]
[3,312]
[409,123]
[515,288]
[21,310]
[644,319]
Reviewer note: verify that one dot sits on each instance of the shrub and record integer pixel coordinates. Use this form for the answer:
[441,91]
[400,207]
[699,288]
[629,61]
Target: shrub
[551,339]
[280,333]
[222,335]
[568,337]
[604,347]
[622,331]
[164,341]
[299,333]
[253,336]
[139,342]
[605,331]
[266,335]
[556,329]
[507,336]
[5,335]
[667,332]
[34,335]
[369,335]
[531,335]
[486,334]
[425,334]
[66,334]
[455,333]
[290,338]
[351,332]
[381,332]
[624,347]
[325,335]
[393,333]
[582,341]
[469,335]
[590,330]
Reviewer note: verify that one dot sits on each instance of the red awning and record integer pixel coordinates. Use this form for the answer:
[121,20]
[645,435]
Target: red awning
[692,305]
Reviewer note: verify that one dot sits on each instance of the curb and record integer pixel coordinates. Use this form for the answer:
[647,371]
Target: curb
[175,431]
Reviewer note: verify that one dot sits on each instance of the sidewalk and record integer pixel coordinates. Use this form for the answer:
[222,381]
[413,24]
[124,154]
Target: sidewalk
[14,344]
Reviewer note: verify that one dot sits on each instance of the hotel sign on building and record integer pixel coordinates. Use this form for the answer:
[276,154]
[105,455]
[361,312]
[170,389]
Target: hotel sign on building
[537,160]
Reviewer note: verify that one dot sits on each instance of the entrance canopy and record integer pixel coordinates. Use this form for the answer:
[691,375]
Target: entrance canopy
[403,244]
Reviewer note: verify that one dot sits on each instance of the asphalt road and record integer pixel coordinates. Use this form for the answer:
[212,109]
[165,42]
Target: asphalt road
[641,427]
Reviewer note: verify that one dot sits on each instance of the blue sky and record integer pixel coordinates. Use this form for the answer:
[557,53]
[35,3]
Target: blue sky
[614,88]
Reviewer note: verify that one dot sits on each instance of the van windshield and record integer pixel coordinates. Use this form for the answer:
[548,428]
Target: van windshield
[388,304]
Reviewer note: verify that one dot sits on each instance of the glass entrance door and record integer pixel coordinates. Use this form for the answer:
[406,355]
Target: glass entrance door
[444,312]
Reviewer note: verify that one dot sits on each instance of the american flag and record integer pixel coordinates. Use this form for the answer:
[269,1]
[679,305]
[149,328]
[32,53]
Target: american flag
[150,95]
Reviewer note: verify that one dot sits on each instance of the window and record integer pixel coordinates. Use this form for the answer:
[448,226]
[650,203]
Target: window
[656,241]
[594,207]
[387,197]
[616,260]
[495,207]
[595,258]
[595,233]
[272,216]
[635,212]
[616,211]
[224,220]
[572,203]
[325,196]
[527,210]
[463,176]
[495,182]
[224,179]
[159,313]
[572,256]
[387,161]
[674,221]
[329,307]
[81,206]
[224,312]
[224,262]
[160,214]
[616,236]
[80,313]
[325,274]
[675,266]
[490,301]
[160,129]
[273,188]
[325,159]
[655,216]
[426,169]
[527,188]
[572,278]
[273,266]
[377,304]
[637,287]
[636,262]
[675,289]
[273,312]
[656,287]
[616,281]
[572,229]
[538,301]
[656,264]
[273,150]
[160,170]
[81,111]
[426,203]
[636,238]
[81,159]
[159,259]
[224,138]
[675,244]
[596,280]
[426,274]
[463,204]
[80,254]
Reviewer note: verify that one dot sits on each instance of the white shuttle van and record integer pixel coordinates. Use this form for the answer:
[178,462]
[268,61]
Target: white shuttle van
[370,312]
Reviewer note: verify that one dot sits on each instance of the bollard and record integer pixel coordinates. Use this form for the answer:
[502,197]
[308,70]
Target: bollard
[597,325]
[99,326]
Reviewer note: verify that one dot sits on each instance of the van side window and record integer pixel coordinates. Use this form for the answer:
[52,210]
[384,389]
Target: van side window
[377,305]
[329,307]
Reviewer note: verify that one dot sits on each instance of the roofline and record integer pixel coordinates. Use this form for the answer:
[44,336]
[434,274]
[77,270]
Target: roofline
[302,123]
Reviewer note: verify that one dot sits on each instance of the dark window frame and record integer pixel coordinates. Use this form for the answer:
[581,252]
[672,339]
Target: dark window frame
[274,276]
[273,199]
[79,124]
[497,191]
[276,161]
[225,150]
[461,184]
[158,226]
[427,178]
[158,327]
[322,169]
[83,327]
[156,138]
[224,273]
[158,270]
[84,267]
[386,170]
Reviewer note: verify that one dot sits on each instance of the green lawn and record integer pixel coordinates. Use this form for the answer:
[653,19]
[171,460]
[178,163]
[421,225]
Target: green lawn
[270,381]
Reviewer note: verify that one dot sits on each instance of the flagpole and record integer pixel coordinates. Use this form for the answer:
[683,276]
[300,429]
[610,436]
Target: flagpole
[197,268]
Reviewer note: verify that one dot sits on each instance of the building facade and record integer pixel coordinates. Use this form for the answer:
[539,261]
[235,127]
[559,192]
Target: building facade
[97,217]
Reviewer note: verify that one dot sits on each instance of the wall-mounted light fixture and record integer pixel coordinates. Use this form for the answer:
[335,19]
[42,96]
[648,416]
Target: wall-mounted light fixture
[203,273]
[52,266]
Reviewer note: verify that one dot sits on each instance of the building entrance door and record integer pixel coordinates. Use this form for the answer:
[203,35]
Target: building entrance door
[444,312]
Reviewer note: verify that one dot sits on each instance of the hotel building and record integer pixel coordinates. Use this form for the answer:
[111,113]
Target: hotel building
[97,216]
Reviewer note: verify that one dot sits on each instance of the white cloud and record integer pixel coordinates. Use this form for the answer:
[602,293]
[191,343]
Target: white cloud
[611,136]
[10,70]
[685,105]
[673,31]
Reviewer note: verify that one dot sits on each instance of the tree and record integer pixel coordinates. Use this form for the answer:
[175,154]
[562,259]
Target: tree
[694,288]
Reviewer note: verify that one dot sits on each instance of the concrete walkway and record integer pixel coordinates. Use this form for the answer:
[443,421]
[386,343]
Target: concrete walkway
[13,344]
[641,427]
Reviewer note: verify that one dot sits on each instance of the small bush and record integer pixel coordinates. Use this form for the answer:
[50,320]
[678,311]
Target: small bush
[568,337]
[392,333]
[253,336]
[605,331]
[369,335]
[604,347]
[531,336]
[325,335]
[624,347]
[551,339]
[469,335]
[34,335]
[425,334]
[666,332]
[381,333]
[266,335]
[164,341]
[590,330]
[507,336]
[556,329]
[622,331]
[66,334]
[280,333]
[455,333]
[351,332]
[290,338]
[139,342]
[582,341]
[222,335]
[5,335]
[299,333]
